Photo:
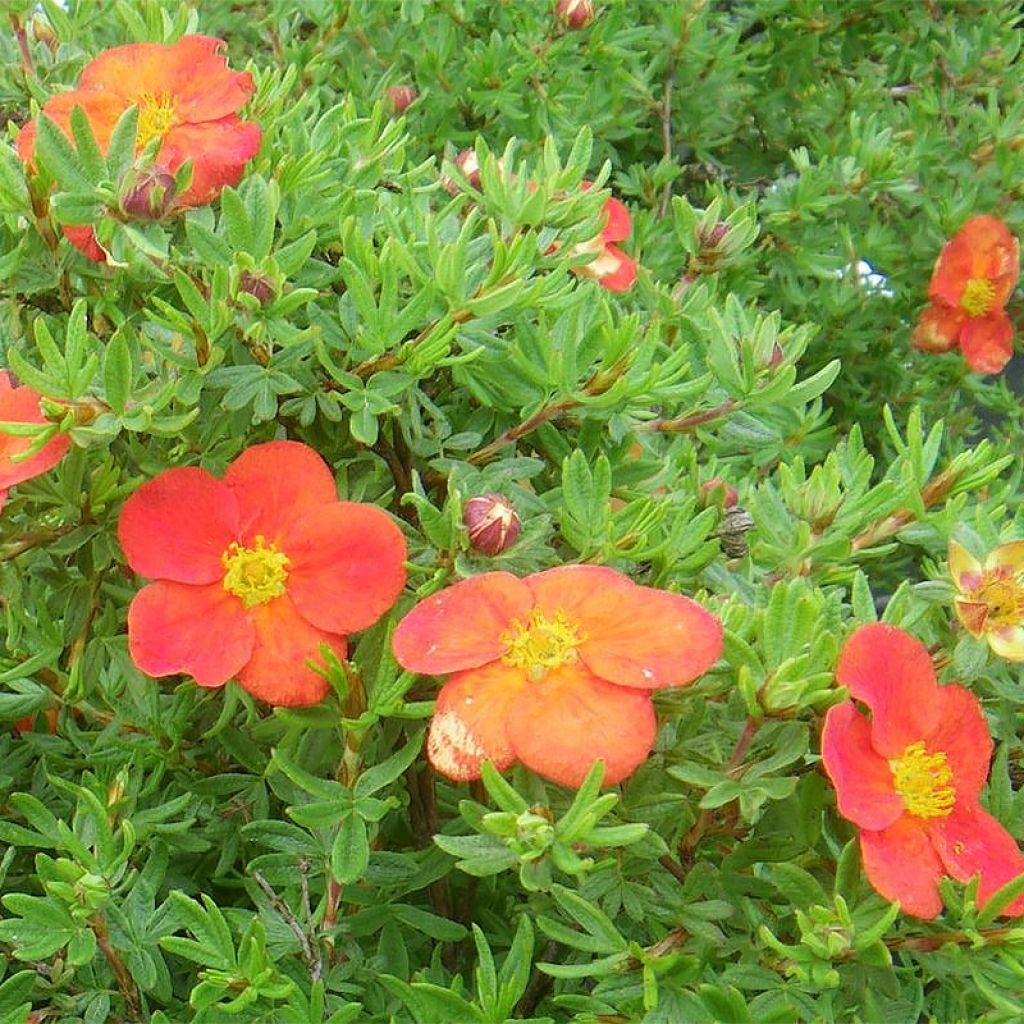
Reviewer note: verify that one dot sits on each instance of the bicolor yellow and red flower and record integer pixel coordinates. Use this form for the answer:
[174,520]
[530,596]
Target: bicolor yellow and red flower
[974,277]
[255,571]
[188,100]
[909,777]
[610,267]
[991,599]
[20,404]
[554,670]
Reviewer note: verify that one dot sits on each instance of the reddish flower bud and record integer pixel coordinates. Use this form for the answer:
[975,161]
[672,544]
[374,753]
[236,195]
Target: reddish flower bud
[717,484]
[257,286]
[468,163]
[402,97]
[777,356]
[576,14]
[150,197]
[492,522]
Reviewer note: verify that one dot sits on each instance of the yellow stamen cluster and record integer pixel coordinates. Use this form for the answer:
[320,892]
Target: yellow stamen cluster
[924,781]
[541,643]
[157,116]
[978,297]
[1004,597]
[255,575]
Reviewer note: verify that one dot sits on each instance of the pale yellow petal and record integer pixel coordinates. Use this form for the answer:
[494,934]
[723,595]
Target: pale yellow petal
[962,562]
[1008,643]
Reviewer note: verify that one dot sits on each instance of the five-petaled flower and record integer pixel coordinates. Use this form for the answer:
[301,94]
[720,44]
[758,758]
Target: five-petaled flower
[991,599]
[187,99]
[554,670]
[610,267]
[21,405]
[255,571]
[910,776]
[973,278]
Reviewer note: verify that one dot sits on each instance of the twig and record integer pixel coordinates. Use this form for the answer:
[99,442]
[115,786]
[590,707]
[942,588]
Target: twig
[682,424]
[531,423]
[125,981]
[312,960]
[23,49]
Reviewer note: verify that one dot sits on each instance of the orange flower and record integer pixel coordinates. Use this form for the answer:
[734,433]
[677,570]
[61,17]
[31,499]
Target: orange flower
[554,670]
[910,776]
[973,278]
[992,596]
[187,98]
[21,405]
[610,267]
[255,571]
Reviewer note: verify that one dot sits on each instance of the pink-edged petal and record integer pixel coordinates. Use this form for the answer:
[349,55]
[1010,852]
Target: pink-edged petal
[964,568]
[284,641]
[347,566]
[178,525]
[1009,556]
[276,484]
[201,631]
[973,615]
[619,225]
[461,627]
[892,673]
[470,721]
[971,842]
[632,635]
[623,276]
[987,342]
[962,735]
[219,151]
[901,863]
[863,780]
[1007,643]
[566,721]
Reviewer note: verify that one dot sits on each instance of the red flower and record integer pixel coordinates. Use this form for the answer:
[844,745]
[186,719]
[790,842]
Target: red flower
[910,776]
[554,670]
[973,278]
[610,267]
[21,405]
[187,98]
[255,571]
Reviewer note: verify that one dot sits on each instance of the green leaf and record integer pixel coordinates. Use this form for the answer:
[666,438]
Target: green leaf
[118,372]
[350,852]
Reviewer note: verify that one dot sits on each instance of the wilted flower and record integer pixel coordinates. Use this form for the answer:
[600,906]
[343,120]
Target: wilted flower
[555,670]
[21,405]
[492,522]
[991,599]
[255,571]
[973,278]
[610,267]
[402,97]
[575,13]
[910,776]
[187,100]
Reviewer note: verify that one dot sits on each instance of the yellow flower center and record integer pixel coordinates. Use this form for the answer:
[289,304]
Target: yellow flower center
[256,575]
[1004,597]
[978,297]
[541,643]
[923,780]
[157,117]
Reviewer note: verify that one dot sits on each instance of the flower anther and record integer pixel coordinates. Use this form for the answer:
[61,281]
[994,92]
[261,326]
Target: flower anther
[923,780]
[157,116]
[541,643]
[256,575]
[979,297]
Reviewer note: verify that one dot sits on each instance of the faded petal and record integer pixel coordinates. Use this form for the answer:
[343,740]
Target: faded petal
[623,275]
[987,342]
[1007,643]
[973,615]
[963,567]
[938,328]
[1009,556]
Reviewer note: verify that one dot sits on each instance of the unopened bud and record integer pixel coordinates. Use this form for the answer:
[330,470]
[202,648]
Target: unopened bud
[402,97]
[150,197]
[468,163]
[777,355]
[257,286]
[492,522]
[711,238]
[716,486]
[575,13]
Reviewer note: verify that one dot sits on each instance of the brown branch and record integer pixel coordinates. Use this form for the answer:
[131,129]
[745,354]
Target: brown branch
[929,943]
[531,423]
[682,424]
[313,961]
[125,981]
[23,49]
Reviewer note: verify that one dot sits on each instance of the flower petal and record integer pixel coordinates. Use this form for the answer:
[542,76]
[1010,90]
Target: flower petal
[202,631]
[1009,556]
[469,723]
[277,671]
[623,276]
[177,526]
[962,735]
[619,225]
[634,636]
[963,567]
[276,484]
[987,342]
[983,248]
[21,405]
[938,328]
[83,238]
[218,150]
[970,841]
[892,673]
[346,566]
[562,724]
[863,780]
[902,865]
[101,109]
[1008,643]
[460,627]
[973,615]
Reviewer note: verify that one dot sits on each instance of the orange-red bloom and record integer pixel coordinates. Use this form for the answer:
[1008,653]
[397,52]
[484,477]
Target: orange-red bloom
[187,98]
[21,405]
[910,776]
[991,599]
[555,670]
[255,571]
[610,267]
[973,278]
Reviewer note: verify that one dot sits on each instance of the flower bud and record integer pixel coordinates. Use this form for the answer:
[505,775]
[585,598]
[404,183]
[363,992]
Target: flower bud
[402,97]
[711,238]
[468,163]
[257,286]
[150,197]
[717,489]
[492,522]
[576,14]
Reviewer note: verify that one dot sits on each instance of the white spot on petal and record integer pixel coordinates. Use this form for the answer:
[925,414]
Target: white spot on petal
[453,749]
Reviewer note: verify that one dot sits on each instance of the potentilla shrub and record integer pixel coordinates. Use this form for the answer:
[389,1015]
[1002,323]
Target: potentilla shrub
[510,511]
